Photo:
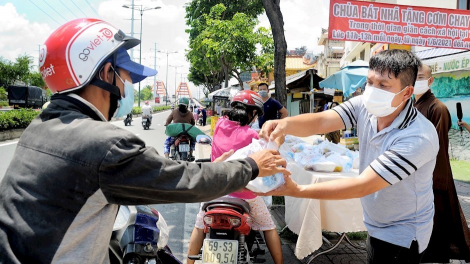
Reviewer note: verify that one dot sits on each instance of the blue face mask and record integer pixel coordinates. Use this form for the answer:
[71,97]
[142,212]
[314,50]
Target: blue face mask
[263,93]
[126,103]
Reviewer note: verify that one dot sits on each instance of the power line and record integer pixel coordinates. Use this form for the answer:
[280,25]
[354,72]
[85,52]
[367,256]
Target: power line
[92,7]
[78,8]
[45,12]
[68,9]
[55,11]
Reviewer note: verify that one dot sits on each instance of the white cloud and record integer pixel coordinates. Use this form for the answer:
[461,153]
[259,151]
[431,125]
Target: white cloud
[303,21]
[18,35]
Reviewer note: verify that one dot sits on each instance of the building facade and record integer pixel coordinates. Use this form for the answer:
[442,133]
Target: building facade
[329,60]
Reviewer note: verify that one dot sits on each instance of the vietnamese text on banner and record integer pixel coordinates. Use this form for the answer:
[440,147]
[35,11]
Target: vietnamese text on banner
[399,24]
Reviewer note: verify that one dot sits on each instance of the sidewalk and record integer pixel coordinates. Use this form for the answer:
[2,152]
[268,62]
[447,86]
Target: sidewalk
[344,253]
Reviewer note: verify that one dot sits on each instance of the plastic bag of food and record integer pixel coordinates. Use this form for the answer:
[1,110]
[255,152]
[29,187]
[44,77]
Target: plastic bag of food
[321,165]
[260,184]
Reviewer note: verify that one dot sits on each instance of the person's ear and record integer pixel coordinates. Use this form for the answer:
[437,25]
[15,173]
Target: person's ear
[430,81]
[106,74]
[408,92]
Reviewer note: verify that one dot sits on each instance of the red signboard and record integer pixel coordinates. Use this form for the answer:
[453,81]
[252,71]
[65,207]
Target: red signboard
[399,24]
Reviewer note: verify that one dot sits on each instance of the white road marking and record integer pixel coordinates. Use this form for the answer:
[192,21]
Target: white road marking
[10,143]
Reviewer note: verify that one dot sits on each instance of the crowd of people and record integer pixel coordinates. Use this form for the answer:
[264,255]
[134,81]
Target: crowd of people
[80,168]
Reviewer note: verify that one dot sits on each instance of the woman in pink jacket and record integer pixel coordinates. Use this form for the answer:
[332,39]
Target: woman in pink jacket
[233,132]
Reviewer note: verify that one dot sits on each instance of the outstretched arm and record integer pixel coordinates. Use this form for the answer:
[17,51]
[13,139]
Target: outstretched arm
[464,124]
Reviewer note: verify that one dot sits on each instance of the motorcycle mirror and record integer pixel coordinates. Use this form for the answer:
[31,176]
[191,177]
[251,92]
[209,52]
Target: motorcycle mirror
[203,139]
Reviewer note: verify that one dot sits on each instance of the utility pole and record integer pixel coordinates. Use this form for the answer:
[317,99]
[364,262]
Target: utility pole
[166,81]
[132,30]
[176,68]
[141,9]
[155,68]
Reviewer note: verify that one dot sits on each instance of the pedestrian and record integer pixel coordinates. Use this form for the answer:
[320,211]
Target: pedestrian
[450,237]
[233,132]
[202,113]
[271,106]
[72,169]
[397,158]
[195,115]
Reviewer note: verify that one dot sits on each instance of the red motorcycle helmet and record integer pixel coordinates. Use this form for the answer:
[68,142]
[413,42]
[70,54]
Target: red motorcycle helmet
[251,99]
[73,54]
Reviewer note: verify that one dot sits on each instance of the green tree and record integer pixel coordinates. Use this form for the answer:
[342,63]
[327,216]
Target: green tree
[146,93]
[20,71]
[35,79]
[227,46]
[3,94]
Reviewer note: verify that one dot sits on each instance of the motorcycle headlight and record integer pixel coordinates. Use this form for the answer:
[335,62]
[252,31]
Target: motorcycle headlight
[164,232]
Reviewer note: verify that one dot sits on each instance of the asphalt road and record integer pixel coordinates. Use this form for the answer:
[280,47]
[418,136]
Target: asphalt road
[179,217]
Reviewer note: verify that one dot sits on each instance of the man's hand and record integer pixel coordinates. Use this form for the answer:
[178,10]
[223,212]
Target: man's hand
[274,130]
[224,156]
[289,188]
[269,162]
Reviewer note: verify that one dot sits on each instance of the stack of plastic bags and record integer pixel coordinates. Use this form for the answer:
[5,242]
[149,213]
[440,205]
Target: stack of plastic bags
[322,155]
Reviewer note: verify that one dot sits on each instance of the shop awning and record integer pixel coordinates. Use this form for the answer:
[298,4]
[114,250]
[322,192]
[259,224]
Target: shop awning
[437,52]
[292,78]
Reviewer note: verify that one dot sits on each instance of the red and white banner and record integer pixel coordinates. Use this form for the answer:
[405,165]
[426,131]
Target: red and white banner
[399,24]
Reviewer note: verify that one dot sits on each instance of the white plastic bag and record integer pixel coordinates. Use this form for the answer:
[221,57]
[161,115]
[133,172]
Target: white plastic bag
[260,184]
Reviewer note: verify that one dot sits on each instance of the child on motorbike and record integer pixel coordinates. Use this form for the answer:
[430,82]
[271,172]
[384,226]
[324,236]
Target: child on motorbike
[233,132]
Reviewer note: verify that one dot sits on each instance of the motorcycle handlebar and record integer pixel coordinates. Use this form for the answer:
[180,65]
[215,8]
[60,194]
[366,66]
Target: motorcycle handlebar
[203,160]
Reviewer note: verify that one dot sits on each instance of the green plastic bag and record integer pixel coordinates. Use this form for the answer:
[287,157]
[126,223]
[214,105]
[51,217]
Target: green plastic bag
[174,129]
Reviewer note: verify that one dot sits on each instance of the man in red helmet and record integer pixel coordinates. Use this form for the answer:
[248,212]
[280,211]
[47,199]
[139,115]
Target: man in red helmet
[72,169]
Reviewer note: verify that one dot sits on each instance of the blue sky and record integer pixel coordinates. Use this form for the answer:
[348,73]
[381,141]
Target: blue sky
[25,24]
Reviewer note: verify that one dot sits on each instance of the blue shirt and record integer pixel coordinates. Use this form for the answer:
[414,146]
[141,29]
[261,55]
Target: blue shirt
[404,155]
[271,107]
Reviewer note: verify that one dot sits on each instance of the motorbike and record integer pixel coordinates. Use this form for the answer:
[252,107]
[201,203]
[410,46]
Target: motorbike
[180,149]
[140,236]
[146,122]
[128,120]
[229,237]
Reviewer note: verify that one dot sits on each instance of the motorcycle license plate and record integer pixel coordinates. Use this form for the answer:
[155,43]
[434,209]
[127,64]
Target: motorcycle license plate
[183,147]
[217,251]
[144,119]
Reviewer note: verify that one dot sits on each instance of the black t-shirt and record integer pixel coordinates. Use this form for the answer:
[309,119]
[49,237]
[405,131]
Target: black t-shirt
[271,107]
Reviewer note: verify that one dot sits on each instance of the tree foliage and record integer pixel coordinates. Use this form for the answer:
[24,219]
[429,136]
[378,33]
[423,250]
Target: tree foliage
[20,72]
[224,42]
[146,93]
[13,72]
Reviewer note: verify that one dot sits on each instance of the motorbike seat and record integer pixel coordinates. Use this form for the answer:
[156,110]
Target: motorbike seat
[228,202]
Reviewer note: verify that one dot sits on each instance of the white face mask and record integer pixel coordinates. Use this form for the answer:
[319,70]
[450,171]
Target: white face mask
[421,87]
[379,102]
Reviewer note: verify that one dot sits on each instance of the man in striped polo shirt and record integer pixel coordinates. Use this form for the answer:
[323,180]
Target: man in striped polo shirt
[398,148]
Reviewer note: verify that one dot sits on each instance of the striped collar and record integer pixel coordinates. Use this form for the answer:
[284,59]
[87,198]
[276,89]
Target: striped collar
[406,117]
